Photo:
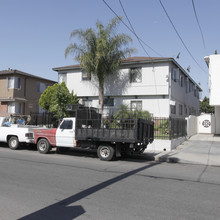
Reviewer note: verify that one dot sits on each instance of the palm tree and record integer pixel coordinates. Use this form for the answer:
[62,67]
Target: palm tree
[100,51]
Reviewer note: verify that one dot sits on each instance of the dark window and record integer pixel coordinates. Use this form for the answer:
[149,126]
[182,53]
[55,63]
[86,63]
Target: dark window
[86,76]
[173,109]
[135,75]
[181,81]
[109,102]
[67,124]
[180,110]
[175,74]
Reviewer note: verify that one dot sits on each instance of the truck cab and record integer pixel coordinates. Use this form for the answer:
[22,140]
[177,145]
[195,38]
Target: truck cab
[63,136]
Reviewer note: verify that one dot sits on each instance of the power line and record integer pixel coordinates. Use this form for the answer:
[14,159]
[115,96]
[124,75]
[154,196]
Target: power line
[194,9]
[132,31]
[142,47]
[133,28]
[180,37]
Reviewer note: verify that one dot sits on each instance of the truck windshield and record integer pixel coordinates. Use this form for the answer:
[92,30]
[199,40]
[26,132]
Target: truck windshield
[67,124]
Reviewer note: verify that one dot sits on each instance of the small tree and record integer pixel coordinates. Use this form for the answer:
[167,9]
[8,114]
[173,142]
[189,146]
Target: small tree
[55,98]
[205,107]
[46,98]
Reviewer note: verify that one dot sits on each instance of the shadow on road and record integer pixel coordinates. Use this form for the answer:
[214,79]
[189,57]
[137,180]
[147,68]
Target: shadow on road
[64,209]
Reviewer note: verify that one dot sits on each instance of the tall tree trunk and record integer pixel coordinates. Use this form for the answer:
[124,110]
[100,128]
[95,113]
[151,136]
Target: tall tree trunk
[101,97]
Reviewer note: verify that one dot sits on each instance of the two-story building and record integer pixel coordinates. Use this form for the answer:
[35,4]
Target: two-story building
[213,62]
[159,85]
[20,92]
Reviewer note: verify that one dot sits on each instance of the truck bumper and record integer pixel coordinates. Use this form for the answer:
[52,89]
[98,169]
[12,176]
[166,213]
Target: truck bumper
[30,141]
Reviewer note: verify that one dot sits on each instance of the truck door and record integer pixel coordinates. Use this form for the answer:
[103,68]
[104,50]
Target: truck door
[65,134]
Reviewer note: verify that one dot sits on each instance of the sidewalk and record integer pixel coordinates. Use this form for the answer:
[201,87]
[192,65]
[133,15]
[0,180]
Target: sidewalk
[199,149]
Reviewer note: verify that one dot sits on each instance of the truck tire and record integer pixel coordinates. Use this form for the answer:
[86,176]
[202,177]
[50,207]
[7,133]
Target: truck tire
[43,146]
[106,152]
[13,142]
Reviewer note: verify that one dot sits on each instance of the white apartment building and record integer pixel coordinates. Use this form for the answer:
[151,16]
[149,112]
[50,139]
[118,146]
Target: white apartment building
[158,85]
[213,62]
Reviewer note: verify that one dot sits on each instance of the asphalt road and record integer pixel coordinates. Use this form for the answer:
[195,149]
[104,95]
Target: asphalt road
[77,185]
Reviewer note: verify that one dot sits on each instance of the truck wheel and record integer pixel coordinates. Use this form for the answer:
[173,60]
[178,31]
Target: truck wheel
[106,152]
[13,143]
[43,146]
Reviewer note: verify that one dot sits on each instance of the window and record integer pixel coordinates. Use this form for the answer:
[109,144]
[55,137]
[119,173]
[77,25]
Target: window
[14,83]
[181,80]
[197,93]
[180,109]
[41,87]
[173,109]
[109,102]
[67,124]
[135,75]
[86,76]
[175,74]
[190,110]
[185,110]
[187,85]
[136,105]
[62,78]
[14,107]
[191,86]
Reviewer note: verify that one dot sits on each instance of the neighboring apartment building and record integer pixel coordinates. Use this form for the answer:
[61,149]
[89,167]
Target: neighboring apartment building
[213,62]
[20,92]
[159,85]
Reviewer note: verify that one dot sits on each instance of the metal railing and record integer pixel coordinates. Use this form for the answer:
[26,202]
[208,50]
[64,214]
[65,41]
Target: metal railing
[164,128]
[169,128]
[43,119]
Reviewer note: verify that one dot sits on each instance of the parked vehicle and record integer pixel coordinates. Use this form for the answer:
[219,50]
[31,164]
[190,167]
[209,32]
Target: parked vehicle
[15,134]
[86,129]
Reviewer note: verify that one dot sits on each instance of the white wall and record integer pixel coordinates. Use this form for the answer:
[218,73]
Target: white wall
[180,96]
[81,87]
[214,79]
[154,82]
[206,124]
[164,145]
[153,91]
[192,126]
[217,122]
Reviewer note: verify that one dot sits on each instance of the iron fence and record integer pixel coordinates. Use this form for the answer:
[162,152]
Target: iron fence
[169,128]
[43,119]
[164,128]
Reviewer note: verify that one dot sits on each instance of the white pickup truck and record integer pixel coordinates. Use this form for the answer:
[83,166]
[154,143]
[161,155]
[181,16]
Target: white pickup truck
[14,134]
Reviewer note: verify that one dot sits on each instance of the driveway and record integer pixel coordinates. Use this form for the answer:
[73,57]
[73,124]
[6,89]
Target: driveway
[199,149]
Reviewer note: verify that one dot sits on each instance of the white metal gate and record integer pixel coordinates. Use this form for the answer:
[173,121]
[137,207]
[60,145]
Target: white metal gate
[206,124]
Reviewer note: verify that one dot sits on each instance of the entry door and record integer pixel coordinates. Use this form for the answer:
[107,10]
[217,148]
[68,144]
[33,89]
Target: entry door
[65,135]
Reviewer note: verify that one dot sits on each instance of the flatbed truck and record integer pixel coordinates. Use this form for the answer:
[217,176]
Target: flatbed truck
[87,129]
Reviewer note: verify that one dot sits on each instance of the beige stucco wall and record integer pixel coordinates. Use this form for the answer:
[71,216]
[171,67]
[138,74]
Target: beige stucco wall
[27,94]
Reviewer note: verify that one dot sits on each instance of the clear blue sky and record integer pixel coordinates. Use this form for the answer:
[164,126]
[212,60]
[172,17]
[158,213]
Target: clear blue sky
[34,34]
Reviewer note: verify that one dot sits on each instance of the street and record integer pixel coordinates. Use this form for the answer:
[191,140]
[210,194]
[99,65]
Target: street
[77,185]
